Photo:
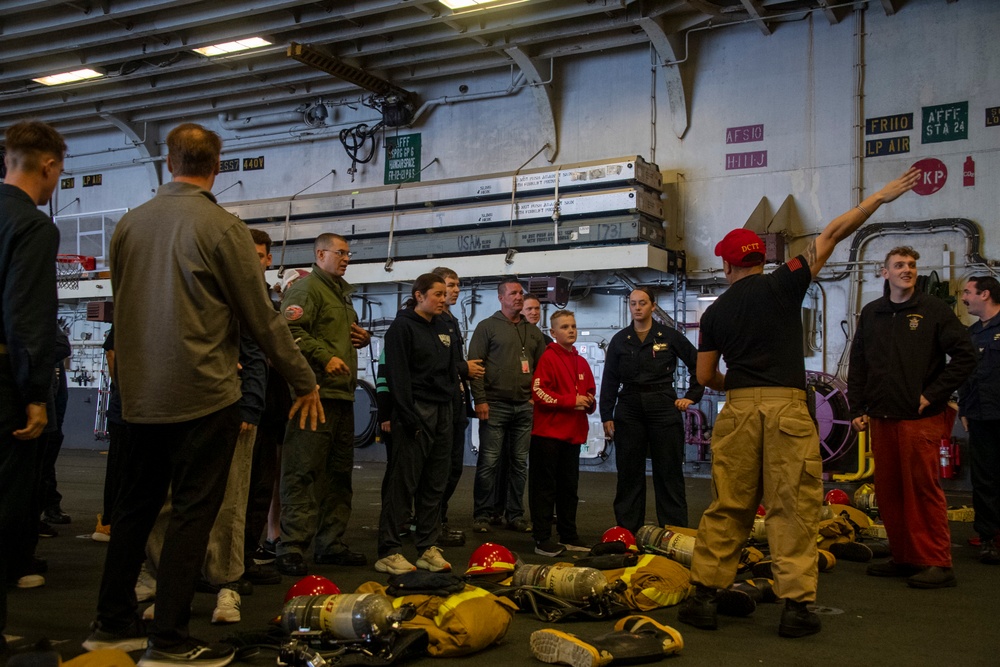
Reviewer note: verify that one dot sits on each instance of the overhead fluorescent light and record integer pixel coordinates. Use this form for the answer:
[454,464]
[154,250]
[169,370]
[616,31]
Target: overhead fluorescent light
[233,47]
[68,77]
[472,5]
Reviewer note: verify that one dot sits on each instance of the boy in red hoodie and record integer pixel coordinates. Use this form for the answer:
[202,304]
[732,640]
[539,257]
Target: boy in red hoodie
[563,393]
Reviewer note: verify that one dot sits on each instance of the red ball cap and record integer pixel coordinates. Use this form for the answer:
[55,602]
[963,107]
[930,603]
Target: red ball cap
[741,247]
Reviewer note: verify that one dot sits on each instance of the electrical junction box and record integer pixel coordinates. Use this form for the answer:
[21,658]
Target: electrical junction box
[552,289]
[100,311]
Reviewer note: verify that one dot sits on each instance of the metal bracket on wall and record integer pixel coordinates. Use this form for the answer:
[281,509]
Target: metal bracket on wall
[668,49]
[144,143]
[543,99]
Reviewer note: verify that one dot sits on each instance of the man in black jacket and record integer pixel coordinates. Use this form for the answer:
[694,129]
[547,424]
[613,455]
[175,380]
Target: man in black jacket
[460,413]
[28,246]
[899,382]
[979,409]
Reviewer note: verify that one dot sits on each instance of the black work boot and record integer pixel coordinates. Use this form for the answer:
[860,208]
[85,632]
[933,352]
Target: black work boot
[797,620]
[759,589]
[700,610]
[735,602]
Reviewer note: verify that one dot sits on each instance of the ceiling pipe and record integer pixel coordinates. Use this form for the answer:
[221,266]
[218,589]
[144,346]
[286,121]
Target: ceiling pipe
[514,88]
[235,123]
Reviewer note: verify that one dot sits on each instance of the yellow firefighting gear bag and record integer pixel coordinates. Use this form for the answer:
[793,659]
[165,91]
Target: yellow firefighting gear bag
[459,624]
[654,581]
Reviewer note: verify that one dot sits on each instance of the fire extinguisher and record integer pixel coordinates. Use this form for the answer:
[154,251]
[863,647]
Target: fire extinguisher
[947,471]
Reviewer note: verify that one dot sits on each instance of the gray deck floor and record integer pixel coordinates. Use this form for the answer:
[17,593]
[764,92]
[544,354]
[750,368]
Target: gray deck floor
[868,620]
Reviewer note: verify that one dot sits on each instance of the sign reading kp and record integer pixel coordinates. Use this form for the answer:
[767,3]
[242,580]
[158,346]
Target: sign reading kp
[933,176]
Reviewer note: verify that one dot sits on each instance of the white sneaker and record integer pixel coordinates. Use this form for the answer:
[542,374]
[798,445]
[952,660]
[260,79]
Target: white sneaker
[432,559]
[147,613]
[145,586]
[227,607]
[31,581]
[394,564]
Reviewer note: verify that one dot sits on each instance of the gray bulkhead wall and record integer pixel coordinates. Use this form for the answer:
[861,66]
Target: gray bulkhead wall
[798,83]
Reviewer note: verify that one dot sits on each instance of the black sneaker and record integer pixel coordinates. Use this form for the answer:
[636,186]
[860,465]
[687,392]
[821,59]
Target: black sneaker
[548,548]
[191,652]
[264,555]
[46,530]
[798,621]
[56,516]
[989,554]
[131,638]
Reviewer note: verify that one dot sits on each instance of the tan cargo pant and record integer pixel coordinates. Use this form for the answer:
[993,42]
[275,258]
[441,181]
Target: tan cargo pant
[765,448]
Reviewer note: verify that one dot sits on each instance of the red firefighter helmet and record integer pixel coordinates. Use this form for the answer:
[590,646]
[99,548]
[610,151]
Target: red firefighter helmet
[491,558]
[619,534]
[312,585]
[836,497]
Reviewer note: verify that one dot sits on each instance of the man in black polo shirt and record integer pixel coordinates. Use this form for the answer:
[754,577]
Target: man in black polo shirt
[765,446]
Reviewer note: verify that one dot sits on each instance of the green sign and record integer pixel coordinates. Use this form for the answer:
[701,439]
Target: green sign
[945,122]
[402,159]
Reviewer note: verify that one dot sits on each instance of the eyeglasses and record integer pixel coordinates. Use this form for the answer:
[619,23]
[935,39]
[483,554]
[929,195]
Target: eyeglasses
[339,253]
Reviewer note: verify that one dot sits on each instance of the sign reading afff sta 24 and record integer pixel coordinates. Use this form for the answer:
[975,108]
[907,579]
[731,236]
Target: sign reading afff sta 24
[945,122]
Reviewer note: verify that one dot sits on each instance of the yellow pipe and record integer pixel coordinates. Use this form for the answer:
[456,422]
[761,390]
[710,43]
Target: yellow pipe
[866,462]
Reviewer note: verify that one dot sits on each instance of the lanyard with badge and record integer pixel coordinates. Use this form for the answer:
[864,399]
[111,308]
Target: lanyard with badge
[525,365]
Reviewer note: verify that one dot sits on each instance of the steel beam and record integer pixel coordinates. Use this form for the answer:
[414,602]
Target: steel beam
[543,99]
[667,48]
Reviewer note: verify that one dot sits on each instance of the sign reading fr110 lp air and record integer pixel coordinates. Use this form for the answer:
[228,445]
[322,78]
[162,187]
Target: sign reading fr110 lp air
[402,159]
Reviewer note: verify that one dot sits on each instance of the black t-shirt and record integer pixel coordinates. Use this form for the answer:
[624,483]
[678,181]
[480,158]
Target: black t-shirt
[757,326]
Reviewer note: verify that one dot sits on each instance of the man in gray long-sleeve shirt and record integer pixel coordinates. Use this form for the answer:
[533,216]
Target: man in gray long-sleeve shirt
[510,347]
[186,277]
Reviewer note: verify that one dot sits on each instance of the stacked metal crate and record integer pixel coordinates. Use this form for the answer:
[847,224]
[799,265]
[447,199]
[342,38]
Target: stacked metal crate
[615,201]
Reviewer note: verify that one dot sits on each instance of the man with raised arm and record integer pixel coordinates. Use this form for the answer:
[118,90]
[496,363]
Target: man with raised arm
[765,447]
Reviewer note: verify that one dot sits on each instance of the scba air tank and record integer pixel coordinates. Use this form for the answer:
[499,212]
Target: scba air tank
[675,546]
[576,584]
[345,616]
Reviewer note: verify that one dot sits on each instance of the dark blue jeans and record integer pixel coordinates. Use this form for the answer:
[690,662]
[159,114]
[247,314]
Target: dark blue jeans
[192,459]
[506,419]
